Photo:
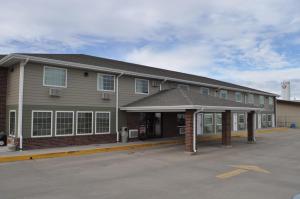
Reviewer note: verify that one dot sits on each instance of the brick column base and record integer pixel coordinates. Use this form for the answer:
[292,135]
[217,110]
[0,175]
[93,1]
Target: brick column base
[226,128]
[189,130]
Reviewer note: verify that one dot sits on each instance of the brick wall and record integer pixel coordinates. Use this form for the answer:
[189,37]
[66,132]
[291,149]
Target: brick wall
[3,88]
[40,143]
[189,130]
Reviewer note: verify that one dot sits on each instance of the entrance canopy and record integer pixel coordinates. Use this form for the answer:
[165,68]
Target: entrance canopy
[177,99]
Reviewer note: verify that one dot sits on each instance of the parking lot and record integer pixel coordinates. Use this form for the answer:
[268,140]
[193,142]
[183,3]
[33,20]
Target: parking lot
[268,169]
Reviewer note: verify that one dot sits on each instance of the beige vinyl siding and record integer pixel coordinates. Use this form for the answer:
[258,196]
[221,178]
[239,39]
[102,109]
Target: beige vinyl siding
[80,91]
[13,85]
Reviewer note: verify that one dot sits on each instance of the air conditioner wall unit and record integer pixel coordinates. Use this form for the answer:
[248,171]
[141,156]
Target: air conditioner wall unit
[55,92]
[133,133]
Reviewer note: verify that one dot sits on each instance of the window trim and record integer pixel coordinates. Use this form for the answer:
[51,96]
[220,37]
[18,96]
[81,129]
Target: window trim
[271,104]
[98,81]
[41,136]
[109,129]
[48,85]
[135,86]
[77,122]
[236,97]
[201,90]
[9,124]
[55,123]
[249,98]
[220,96]
[261,97]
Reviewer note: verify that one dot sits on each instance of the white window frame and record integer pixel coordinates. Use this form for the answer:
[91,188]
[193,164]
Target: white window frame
[41,136]
[96,122]
[261,97]
[55,128]
[202,88]
[135,86]
[48,85]
[236,97]
[98,81]
[221,95]
[216,124]
[77,122]
[272,100]
[249,98]
[9,124]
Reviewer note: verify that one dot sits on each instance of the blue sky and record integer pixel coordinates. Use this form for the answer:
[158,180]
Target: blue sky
[254,43]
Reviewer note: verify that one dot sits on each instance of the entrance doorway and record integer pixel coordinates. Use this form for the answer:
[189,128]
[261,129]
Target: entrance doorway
[152,123]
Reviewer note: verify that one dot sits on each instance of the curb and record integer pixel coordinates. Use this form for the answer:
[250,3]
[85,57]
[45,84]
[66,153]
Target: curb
[16,158]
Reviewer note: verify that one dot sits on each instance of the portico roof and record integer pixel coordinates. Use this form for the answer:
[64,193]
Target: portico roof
[177,99]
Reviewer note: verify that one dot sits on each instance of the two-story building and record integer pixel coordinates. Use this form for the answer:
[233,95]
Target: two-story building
[50,100]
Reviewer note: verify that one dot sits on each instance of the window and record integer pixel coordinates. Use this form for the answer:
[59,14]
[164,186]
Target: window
[208,123]
[41,125]
[250,99]
[261,100]
[269,118]
[264,121]
[56,77]
[218,122]
[180,119]
[84,123]
[223,94]
[238,97]
[271,101]
[12,123]
[241,122]
[184,87]
[204,91]
[141,86]
[64,123]
[102,125]
[106,82]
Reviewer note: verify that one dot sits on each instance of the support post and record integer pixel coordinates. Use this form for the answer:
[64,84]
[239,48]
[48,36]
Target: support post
[226,128]
[189,131]
[250,127]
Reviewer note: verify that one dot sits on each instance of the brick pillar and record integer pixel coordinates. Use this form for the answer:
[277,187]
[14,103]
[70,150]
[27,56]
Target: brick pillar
[226,128]
[189,130]
[250,126]
[3,88]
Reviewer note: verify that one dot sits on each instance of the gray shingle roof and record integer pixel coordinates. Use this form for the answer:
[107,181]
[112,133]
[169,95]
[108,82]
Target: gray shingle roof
[120,65]
[179,97]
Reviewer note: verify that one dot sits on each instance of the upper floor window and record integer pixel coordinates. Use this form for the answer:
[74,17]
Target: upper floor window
[204,91]
[106,82]
[56,77]
[238,97]
[261,100]
[141,86]
[223,94]
[271,101]
[250,98]
[184,87]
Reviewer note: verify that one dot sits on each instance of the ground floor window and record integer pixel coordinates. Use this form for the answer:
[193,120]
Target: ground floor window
[269,118]
[102,123]
[264,123]
[218,122]
[64,123]
[208,123]
[41,124]
[12,123]
[241,121]
[84,123]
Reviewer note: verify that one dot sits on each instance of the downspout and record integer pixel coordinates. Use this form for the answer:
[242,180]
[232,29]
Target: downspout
[160,85]
[20,108]
[117,106]
[194,129]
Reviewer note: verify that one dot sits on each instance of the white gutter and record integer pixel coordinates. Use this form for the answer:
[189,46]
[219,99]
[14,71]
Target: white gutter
[20,107]
[117,106]
[106,69]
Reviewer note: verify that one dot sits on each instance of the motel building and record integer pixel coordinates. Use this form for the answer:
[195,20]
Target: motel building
[55,100]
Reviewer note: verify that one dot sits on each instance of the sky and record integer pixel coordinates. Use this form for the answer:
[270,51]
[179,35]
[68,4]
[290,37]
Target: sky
[253,43]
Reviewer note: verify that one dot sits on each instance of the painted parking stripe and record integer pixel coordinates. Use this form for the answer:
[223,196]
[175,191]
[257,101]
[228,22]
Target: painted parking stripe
[231,173]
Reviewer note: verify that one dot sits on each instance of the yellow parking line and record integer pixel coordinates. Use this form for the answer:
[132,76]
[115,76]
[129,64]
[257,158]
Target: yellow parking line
[231,173]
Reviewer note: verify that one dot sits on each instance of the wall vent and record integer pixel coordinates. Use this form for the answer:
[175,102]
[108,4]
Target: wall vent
[55,92]
[133,133]
[105,96]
